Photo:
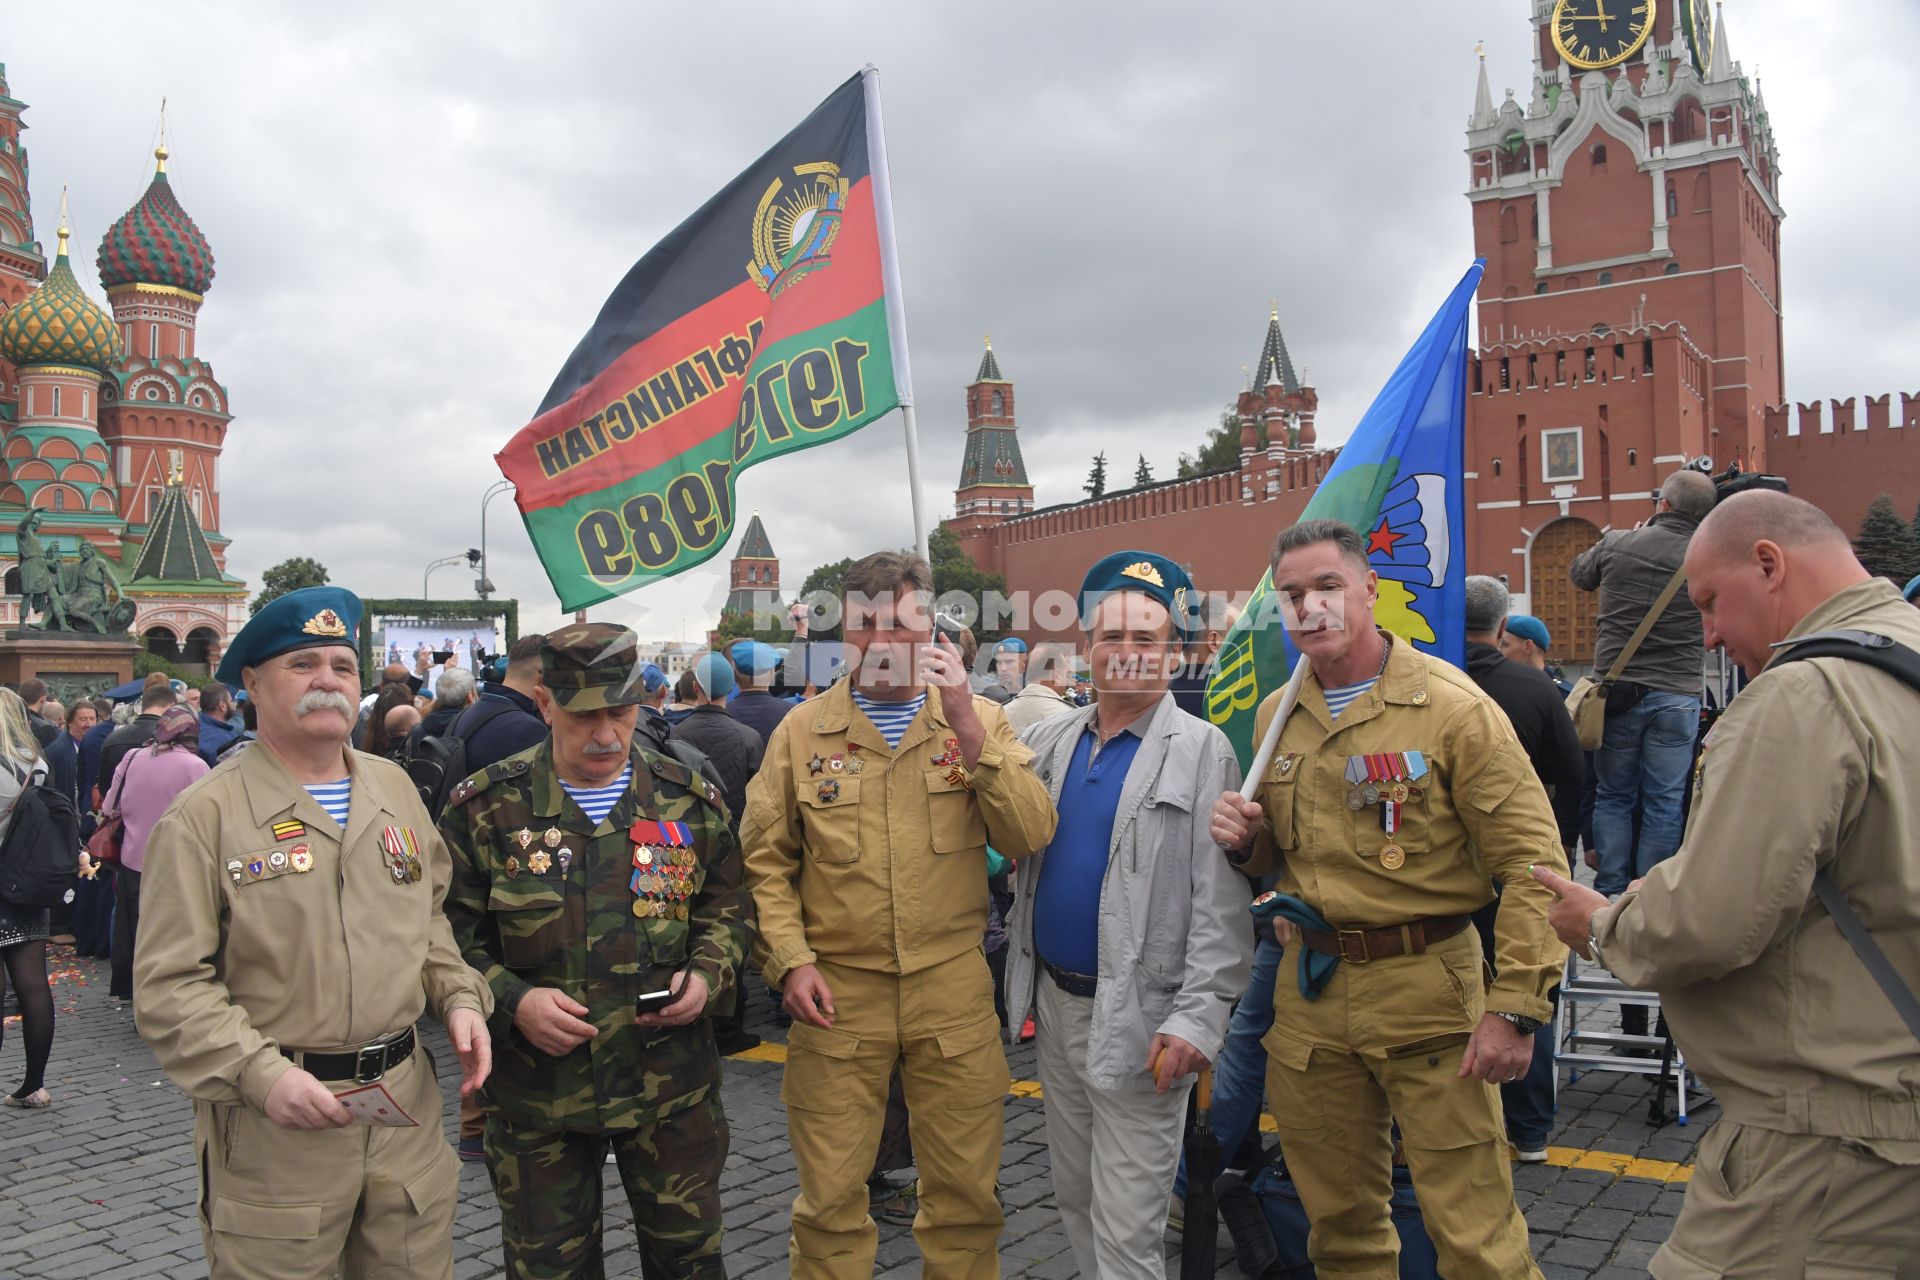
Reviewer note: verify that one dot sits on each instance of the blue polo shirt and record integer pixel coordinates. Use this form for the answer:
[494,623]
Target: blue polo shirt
[1066,908]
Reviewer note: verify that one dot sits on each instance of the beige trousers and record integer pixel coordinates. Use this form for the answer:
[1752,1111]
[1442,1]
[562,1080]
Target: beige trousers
[363,1202]
[1114,1154]
[1763,1203]
[939,1025]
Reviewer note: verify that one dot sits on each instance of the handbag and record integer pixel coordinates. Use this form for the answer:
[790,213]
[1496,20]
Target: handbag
[111,831]
[1587,704]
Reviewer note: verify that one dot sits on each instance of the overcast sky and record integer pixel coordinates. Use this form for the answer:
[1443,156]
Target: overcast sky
[417,210]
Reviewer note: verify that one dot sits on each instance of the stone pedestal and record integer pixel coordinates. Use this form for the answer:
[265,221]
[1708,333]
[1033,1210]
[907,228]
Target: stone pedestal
[73,663]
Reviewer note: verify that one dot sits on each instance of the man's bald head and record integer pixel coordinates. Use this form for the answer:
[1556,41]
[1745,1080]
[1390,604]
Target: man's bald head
[1760,563]
[400,722]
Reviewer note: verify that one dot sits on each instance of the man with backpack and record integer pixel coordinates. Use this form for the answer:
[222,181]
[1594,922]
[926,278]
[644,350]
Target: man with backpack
[505,720]
[1784,936]
[435,759]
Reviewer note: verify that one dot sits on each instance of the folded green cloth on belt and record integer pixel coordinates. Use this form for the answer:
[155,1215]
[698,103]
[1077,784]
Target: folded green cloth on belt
[1315,970]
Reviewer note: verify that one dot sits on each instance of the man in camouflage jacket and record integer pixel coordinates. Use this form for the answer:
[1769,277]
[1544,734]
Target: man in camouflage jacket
[588,874]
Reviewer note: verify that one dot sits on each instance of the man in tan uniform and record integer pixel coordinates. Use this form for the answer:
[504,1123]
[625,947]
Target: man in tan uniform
[297,889]
[1814,1167]
[865,838]
[1397,795]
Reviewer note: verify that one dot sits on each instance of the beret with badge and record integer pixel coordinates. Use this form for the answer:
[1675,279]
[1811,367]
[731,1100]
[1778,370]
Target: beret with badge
[1152,575]
[303,619]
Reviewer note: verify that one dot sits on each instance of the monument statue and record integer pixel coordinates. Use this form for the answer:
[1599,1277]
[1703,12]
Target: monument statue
[76,596]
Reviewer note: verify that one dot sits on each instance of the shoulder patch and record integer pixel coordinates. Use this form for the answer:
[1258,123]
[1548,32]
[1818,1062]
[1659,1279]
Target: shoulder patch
[671,770]
[472,786]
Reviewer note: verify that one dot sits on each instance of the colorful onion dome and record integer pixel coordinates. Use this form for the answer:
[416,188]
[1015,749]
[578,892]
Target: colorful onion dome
[59,324]
[155,242]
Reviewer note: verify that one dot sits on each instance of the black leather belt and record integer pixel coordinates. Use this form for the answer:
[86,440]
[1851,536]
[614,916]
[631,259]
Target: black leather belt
[363,1065]
[1074,984]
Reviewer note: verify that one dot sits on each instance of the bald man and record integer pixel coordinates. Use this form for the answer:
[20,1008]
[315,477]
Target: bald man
[1814,1168]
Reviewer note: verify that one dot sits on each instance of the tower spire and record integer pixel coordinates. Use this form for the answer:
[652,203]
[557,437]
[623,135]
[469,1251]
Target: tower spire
[1482,94]
[160,151]
[1275,366]
[989,367]
[65,229]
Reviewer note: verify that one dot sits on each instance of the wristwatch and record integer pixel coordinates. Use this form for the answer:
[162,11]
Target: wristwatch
[1524,1025]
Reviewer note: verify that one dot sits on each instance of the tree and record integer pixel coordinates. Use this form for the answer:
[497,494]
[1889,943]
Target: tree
[1221,452]
[954,570]
[1142,474]
[828,578]
[1096,485]
[288,575]
[1888,546]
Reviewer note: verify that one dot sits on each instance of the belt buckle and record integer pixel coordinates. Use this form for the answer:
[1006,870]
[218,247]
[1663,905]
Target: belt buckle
[1342,935]
[377,1054]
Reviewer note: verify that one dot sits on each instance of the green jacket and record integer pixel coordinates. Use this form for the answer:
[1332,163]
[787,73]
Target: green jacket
[542,897]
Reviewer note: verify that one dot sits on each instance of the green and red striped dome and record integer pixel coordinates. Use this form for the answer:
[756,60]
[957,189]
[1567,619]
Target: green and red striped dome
[155,242]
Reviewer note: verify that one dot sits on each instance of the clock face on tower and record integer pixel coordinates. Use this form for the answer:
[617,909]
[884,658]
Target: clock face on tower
[1593,34]
[1696,19]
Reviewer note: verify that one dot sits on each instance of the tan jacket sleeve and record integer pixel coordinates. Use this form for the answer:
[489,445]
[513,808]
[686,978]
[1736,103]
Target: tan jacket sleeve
[205,1042]
[450,982]
[1744,875]
[770,844]
[1013,801]
[1510,822]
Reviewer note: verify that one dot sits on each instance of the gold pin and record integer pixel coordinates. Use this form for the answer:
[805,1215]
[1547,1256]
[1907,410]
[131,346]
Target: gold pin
[1393,857]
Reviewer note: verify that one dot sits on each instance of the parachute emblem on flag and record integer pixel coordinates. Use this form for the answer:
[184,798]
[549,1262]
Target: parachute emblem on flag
[795,224]
[1410,552]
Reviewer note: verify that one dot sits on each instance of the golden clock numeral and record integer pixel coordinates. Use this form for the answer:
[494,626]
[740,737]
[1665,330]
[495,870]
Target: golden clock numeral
[1586,54]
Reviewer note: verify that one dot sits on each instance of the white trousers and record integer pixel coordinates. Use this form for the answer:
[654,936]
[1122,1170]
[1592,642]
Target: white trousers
[1114,1154]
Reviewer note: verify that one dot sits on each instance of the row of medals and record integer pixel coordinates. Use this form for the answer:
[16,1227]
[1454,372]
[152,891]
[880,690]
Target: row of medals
[300,858]
[1390,790]
[662,882]
[540,861]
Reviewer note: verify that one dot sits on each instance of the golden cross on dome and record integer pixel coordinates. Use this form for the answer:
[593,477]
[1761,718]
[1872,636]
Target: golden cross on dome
[63,232]
[160,151]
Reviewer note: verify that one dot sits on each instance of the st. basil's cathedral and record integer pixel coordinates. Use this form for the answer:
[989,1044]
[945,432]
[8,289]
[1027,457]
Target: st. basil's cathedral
[110,422]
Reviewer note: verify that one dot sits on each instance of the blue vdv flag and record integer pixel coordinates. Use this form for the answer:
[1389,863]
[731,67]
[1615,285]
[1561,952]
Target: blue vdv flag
[1400,480]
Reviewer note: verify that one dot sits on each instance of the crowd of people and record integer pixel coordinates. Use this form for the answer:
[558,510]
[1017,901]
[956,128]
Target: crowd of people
[938,847]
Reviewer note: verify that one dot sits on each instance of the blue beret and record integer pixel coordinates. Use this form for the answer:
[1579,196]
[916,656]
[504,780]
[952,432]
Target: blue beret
[1151,575]
[1528,627]
[1912,590]
[652,678]
[297,620]
[715,675]
[1012,644]
[753,657]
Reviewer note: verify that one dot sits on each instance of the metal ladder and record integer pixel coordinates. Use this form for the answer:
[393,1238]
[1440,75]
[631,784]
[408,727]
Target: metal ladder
[1587,1047]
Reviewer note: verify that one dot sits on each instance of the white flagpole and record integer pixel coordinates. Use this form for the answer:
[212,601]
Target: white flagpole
[1289,696]
[896,300]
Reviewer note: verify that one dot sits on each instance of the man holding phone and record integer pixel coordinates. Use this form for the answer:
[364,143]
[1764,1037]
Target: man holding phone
[866,836]
[597,889]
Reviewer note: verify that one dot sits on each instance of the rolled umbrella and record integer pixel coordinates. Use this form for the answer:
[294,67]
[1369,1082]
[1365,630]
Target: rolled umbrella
[1203,1166]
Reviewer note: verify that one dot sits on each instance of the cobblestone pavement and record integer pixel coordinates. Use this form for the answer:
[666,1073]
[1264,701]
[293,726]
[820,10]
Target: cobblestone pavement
[102,1185]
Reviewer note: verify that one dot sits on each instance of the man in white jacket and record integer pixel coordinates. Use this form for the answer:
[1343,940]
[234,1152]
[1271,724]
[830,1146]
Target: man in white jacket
[1129,934]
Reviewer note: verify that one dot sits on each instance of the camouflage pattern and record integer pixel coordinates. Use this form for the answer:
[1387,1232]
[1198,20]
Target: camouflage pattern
[672,1172]
[590,665]
[542,897]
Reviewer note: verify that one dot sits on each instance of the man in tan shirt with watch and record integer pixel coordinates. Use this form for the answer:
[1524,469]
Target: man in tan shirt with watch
[1396,796]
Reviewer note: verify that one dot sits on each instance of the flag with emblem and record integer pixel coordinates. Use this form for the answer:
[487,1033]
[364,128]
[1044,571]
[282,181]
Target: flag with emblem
[1399,481]
[768,322]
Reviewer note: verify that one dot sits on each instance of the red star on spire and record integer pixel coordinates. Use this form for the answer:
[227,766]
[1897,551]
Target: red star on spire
[1382,539]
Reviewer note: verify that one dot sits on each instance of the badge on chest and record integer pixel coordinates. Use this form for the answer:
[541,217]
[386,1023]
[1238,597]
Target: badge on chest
[1388,780]
[401,849]
[663,863]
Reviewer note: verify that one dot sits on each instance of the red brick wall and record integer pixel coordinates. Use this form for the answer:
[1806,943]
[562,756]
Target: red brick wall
[1869,452]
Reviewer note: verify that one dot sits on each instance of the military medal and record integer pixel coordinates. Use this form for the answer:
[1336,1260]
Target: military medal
[816,764]
[552,838]
[513,866]
[523,837]
[640,908]
[256,868]
[1356,775]
[539,863]
[1393,857]
[642,856]
[836,762]
[565,857]
[301,857]
[829,791]
[277,860]
[234,868]
[855,764]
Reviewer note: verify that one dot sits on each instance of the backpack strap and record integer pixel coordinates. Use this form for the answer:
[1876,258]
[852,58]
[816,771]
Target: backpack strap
[1903,664]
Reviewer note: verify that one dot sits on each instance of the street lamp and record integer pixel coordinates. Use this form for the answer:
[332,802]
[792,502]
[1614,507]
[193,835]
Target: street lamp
[441,563]
[499,487]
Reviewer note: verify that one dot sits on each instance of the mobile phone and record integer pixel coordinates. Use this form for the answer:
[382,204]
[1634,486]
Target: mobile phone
[948,627]
[654,1001]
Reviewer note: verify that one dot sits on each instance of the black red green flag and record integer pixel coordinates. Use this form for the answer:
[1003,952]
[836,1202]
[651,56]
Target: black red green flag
[763,324]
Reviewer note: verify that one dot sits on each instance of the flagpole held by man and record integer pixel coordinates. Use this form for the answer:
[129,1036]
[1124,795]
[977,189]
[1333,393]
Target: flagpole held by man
[1393,790]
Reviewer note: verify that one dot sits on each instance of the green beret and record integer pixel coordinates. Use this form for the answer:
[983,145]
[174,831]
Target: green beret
[302,619]
[591,665]
[1151,575]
